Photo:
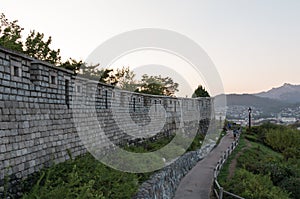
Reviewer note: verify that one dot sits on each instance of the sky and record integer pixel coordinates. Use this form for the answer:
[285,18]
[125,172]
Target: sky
[254,44]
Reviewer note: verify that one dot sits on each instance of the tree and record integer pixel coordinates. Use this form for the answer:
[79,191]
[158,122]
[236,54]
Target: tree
[37,48]
[72,64]
[126,79]
[92,72]
[157,85]
[108,76]
[200,92]
[10,34]
[10,37]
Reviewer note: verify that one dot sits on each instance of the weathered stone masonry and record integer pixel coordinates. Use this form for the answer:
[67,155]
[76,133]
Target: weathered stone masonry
[36,125]
[35,122]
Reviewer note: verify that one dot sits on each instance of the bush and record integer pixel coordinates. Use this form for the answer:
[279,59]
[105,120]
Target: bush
[251,186]
[83,177]
[281,139]
[291,153]
[86,177]
[273,160]
[277,171]
[292,185]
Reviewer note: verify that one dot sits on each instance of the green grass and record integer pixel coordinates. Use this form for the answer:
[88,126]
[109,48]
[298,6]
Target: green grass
[222,178]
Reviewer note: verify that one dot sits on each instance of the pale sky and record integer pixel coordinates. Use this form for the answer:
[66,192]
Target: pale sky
[254,44]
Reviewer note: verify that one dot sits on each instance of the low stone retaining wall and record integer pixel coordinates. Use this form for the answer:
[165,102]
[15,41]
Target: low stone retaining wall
[164,183]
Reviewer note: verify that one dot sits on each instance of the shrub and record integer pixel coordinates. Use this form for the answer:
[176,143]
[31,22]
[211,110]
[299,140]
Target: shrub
[292,185]
[83,177]
[291,153]
[277,171]
[251,186]
[281,139]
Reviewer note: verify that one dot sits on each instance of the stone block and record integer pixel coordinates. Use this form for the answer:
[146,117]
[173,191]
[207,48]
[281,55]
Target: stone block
[15,146]
[6,77]
[7,64]
[3,148]
[4,125]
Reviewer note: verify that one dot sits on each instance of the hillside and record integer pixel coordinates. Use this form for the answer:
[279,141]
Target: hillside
[287,93]
[284,101]
[265,164]
[248,100]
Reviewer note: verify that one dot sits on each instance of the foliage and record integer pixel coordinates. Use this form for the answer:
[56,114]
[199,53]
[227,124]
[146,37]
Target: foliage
[200,92]
[223,175]
[84,177]
[291,153]
[153,145]
[259,154]
[108,76]
[197,142]
[157,85]
[291,185]
[149,145]
[10,34]
[72,64]
[36,47]
[278,171]
[282,139]
[94,73]
[126,81]
[267,157]
[251,186]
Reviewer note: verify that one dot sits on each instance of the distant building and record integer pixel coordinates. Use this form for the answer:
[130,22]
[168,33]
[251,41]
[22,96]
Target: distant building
[288,120]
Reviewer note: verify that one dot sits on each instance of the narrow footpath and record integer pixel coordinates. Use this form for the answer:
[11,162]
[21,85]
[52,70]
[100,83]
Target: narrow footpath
[199,180]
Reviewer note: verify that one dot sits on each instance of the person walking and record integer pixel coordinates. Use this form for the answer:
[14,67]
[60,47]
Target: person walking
[234,134]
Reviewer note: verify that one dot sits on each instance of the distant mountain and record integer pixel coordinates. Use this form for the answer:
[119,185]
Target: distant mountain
[287,93]
[284,101]
[248,100]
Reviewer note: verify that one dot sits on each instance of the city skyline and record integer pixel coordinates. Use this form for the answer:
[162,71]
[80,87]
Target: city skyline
[253,44]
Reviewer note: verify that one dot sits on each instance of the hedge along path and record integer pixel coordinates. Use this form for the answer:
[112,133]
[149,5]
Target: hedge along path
[233,163]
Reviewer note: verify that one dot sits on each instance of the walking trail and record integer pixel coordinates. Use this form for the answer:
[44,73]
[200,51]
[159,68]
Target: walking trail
[199,180]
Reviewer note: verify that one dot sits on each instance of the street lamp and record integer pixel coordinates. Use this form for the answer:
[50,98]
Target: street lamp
[220,120]
[249,111]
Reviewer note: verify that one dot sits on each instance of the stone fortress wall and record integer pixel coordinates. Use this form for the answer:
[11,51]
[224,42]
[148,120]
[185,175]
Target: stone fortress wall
[36,118]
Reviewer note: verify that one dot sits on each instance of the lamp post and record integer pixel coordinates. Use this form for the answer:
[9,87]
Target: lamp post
[249,111]
[220,120]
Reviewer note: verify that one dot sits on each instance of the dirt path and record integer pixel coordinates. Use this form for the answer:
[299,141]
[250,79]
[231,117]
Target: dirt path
[233,163]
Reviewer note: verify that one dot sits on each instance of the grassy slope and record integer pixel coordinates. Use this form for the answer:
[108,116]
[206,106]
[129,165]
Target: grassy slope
[247,181]
[86,177]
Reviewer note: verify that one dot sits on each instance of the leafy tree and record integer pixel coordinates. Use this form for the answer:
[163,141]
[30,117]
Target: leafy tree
[10,34]
[36,47]
[120,76]
[93,72]
[108,76]
[157,85]
[152,88]
[200,92]
[126,79]
[72,64]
